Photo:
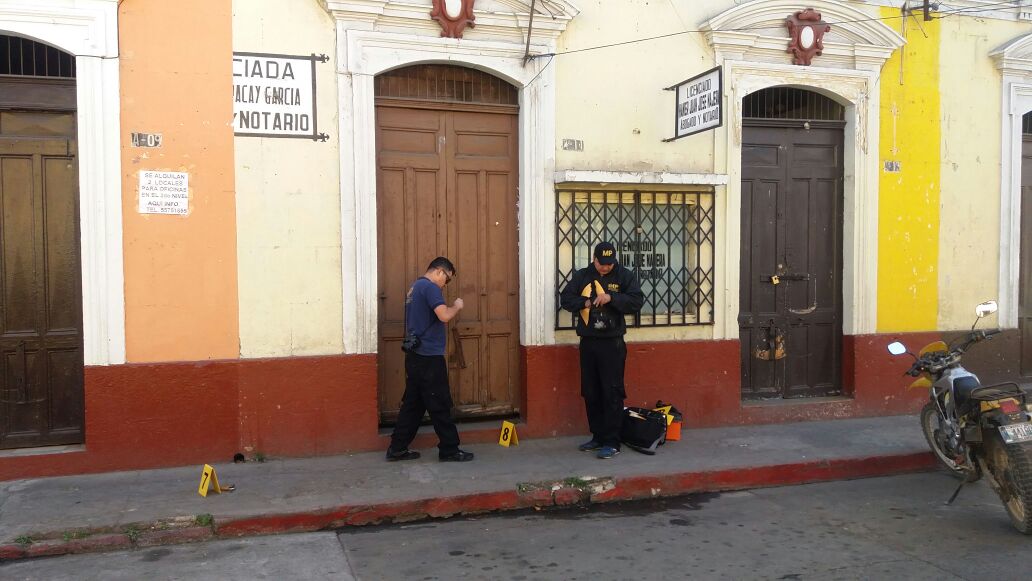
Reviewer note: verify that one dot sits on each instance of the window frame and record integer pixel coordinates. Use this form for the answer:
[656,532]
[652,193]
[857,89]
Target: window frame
[640,203]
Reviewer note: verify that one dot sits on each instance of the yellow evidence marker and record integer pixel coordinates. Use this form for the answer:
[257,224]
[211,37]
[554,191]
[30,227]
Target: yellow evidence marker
[210,479]
[508,435]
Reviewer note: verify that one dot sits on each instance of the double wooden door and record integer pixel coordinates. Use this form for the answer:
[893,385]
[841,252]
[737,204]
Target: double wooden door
[790,309]
[447,182]
[41,355]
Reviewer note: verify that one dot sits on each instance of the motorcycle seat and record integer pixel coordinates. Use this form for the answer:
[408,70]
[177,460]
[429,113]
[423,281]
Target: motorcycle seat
[967,397]
[995,392]
[964,387]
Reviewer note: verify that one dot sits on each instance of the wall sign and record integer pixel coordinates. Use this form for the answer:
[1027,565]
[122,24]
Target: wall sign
[164,192]
[699,104]
[274,95]
[146,139]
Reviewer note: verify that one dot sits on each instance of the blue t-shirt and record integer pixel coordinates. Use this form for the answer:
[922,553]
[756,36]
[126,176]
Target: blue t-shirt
[422,299]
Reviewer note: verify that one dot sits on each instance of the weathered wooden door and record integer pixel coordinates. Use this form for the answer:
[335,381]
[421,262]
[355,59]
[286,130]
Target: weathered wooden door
[1025,276]
[41,355]
[790,316]
[447,177]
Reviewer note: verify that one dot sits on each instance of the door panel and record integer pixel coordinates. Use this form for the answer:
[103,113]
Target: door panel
[790,327]
[461,204]
[41,400]
[1025,273]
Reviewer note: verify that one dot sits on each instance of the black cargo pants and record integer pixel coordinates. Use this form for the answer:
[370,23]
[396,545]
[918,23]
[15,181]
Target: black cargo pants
[602,386]
[426,390]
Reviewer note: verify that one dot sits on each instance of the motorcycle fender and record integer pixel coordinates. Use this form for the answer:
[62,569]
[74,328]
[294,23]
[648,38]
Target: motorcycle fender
[995,405]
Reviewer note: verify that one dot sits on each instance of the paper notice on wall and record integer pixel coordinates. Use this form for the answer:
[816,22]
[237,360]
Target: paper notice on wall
[164,192]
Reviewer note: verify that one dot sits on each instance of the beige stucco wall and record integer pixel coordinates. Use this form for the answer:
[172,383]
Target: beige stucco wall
[970,85]
[288,199]
[613,98]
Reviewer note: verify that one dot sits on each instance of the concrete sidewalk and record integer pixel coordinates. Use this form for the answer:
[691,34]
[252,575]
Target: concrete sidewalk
[51,516]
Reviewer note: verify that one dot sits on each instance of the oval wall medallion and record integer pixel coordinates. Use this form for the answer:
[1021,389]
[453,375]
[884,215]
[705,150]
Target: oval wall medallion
[453,16]
[806,35]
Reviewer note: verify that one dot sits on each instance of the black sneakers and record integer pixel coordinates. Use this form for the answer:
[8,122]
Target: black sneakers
[458,456]
[405,454]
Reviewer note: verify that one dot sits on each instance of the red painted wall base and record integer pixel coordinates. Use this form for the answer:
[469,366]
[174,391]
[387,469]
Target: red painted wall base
[174,414]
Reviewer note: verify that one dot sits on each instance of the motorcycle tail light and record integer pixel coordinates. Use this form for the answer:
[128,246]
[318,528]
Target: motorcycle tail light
[1009,406]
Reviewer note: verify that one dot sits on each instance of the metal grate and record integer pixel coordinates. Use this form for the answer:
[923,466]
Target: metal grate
[445,83]
[791,103]
[1026,123]
[666,236]
[24,57]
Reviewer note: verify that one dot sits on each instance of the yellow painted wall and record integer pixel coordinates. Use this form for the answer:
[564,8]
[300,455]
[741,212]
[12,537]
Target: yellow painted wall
[908,209]
[288,199]
[180,271]
[970,216]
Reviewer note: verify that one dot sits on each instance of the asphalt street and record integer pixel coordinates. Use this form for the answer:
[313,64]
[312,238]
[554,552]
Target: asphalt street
[883,528]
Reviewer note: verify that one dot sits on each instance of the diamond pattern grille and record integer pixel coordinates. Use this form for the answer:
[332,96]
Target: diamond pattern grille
[666,237]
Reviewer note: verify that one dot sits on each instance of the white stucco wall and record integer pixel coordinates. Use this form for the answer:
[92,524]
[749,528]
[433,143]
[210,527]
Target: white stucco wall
[288,199]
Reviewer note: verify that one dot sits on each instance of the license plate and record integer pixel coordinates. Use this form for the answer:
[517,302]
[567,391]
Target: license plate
[1015,433]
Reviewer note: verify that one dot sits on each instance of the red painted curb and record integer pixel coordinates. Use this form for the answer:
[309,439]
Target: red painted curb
[558,494]
[174,536]
[641,487]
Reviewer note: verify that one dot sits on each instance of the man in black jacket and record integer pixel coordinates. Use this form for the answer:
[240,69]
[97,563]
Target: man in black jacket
[601,295]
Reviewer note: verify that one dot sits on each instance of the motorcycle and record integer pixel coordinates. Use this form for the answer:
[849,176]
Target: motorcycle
[976,430]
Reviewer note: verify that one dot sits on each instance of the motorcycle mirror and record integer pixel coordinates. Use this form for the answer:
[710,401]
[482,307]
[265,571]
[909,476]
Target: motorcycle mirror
[985,309]
[897,348]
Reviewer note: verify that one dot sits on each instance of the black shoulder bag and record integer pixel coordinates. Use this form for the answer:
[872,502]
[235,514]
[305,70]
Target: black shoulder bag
[411,342]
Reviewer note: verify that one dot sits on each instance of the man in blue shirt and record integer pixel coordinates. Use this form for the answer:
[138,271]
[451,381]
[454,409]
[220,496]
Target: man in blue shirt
[426,372]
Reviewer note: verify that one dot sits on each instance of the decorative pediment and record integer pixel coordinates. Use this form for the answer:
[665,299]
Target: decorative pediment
[1015,57]
[495,19]
[755,31]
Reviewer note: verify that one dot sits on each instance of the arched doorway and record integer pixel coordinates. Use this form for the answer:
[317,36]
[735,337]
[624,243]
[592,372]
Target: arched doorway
[447,176]
[41,338]
[790,304]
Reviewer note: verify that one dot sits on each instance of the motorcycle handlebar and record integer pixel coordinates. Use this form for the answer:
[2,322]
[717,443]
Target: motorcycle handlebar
[931,362]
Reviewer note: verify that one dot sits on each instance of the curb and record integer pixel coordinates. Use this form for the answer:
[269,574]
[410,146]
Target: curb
[568,492]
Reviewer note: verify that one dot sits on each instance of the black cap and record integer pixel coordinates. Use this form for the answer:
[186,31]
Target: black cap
[605,252]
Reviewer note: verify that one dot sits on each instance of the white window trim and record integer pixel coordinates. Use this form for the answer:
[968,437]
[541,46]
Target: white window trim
[363,51]
[1014,60]
[89,30]
[847,72]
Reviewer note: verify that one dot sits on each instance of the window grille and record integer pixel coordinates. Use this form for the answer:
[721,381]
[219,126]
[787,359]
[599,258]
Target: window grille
[664,234]
[447,83]
[791,103]
[25,57]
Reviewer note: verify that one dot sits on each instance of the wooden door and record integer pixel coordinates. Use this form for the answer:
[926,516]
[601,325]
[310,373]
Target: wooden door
[41,354]
[1025,276]
[790,316]
[447,181]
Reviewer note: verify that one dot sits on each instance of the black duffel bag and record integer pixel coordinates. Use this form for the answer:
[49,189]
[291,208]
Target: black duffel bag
[643,429]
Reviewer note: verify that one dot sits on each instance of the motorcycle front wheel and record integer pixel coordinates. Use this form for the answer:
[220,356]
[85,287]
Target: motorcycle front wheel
[933,433]
[1011,467]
